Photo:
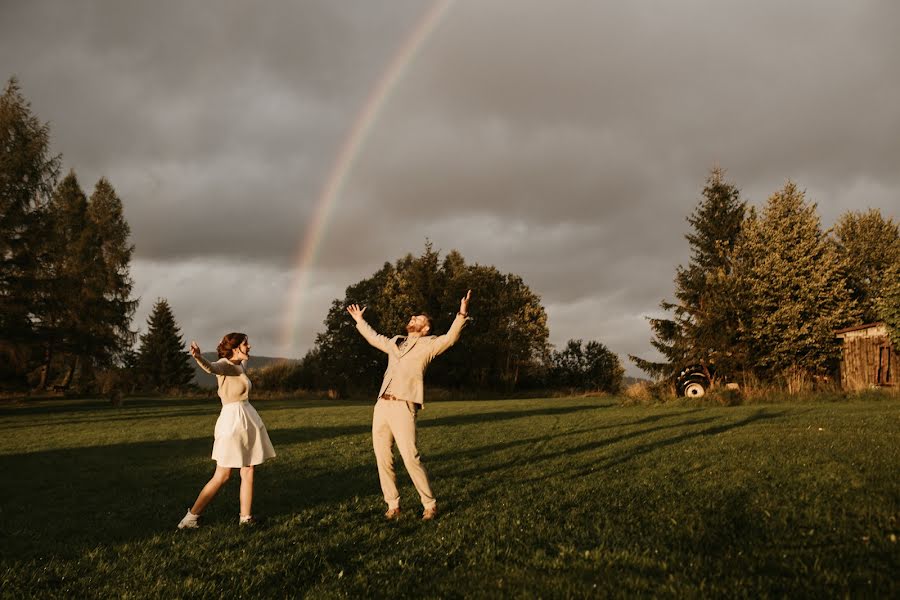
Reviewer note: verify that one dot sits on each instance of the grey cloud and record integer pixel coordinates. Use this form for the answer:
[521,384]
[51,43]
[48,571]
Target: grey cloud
[562,141]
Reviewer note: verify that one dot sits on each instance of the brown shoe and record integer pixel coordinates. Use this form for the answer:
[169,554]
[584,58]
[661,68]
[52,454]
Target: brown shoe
[430,514]
[392,514]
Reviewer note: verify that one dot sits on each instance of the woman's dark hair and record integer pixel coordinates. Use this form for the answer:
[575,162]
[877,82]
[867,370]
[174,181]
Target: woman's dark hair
[229,343]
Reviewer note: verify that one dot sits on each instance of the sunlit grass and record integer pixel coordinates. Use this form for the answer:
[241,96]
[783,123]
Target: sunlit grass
[554,498]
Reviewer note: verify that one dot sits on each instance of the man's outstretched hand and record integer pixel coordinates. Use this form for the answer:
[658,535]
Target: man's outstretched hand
[464,304]
[356,312]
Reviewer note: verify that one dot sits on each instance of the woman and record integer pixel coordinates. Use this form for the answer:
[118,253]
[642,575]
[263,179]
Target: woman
[241,438]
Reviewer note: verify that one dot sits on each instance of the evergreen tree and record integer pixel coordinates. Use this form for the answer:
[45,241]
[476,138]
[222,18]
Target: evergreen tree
[703,328]
[28,175]
[888,304]
[114,336]
[793,290]
[869,245]
[65,308]
[163,361]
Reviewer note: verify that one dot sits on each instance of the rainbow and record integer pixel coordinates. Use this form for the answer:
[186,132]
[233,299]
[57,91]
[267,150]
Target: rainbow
[343,164]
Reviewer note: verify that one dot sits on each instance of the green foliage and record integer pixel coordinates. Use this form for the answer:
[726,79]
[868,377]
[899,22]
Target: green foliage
[869,247]
[589,367]
[504,344]
[792,289]
[28,174]
[163,361]
[562,498]
[703,327]
[111,326]
[888,304]
[65,303]
[288,376]
[83,311]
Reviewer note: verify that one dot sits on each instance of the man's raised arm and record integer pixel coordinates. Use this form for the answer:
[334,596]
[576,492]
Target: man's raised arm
[442,342]
[373,337]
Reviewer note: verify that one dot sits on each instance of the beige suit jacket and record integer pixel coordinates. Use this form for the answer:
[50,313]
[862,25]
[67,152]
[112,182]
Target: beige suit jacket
[406,370]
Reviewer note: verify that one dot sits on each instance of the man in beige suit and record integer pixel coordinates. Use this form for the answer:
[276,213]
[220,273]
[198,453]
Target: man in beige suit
[401,396]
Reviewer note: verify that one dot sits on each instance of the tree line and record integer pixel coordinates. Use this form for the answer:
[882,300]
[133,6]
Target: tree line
[65,286]
[505,347]
[765,289]
[66,305]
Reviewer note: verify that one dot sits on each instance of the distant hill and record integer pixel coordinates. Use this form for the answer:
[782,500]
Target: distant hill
[205,380]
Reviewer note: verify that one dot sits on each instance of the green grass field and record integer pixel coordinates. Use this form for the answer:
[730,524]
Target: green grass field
[575,497]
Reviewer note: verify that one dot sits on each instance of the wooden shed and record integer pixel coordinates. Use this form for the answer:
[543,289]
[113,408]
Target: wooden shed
[867,357]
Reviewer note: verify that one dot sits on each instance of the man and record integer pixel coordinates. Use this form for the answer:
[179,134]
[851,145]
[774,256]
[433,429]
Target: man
[401,396]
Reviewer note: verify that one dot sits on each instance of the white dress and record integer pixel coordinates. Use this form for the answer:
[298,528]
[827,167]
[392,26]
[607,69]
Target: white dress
[241,437]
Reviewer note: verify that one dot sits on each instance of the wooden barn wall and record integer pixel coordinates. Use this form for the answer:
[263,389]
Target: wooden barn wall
[859,362]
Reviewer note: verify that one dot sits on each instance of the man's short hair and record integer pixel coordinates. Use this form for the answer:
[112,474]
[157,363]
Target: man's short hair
[430,322]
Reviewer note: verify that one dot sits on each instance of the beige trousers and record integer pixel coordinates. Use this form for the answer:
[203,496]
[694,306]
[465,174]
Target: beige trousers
[396,420]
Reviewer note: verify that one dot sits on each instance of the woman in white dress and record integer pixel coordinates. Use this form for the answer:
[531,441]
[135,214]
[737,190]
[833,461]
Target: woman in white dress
[241,438]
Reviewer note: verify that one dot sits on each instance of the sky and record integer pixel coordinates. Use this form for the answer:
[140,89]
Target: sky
[564,141]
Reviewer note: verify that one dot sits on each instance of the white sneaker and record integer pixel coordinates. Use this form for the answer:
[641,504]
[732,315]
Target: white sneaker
[190,521]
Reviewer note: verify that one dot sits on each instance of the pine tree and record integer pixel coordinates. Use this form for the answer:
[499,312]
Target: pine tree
[888,304]
[163,361]
[27,177]
[703,328]
[115,306]
[869,245]
[64,308]
[793,290]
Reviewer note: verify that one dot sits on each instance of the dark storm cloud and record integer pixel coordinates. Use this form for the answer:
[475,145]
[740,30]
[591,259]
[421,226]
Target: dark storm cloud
[562,141]
[210,118]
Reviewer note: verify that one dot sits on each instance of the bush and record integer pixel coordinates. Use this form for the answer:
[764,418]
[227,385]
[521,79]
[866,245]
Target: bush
[285,376]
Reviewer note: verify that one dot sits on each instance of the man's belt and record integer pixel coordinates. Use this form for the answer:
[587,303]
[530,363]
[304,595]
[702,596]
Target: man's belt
[391,397]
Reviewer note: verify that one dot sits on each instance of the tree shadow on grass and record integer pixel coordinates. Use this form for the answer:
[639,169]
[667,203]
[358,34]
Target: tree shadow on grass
[504,415]
[112,493]
[485,476]
[64,408]
[58,406]
[540,441]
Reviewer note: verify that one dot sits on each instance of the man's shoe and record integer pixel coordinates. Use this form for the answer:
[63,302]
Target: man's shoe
[190,521]
[250,521]
[392,514]
[430,514]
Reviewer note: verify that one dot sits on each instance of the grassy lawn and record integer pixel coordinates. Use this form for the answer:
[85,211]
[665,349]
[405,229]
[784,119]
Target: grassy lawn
[574,497]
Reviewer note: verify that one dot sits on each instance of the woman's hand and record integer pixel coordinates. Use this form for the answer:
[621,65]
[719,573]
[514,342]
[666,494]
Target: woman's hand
[195,350]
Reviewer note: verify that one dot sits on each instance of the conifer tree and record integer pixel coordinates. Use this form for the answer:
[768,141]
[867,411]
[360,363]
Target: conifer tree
[869,245]
[793,290]
[65,307]
[115,306]
[703,328]
[28,174]
[163,361]
[888,304]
